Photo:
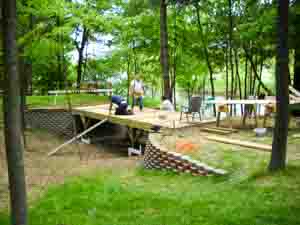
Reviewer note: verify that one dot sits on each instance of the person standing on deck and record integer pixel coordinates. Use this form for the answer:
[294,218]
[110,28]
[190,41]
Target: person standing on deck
[137,92]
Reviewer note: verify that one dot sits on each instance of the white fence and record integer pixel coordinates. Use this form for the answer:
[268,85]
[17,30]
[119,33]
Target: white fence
[62,92]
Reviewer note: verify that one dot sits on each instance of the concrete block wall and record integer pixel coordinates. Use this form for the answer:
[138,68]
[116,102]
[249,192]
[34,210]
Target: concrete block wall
[56,121]
[157,157]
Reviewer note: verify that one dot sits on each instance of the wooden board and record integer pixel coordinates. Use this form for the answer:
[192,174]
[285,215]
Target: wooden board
[247,144]
[294,91]
[144,120]
[215,130]
[226,129]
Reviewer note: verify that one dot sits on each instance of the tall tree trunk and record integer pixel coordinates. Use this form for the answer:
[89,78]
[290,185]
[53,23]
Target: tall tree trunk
[251,77]
[226,72]
[210,69]
[24,70]
[297,47]
[85,63]
[59,56]
[260,72]
[237,72]
[254,79]
[80,49]
[297,65]
[128,78]
[173,86]
[134,58]
[278,155]
[12,117]
[174,82]
[164,55]
[29,66]
[245,80]
[230,50]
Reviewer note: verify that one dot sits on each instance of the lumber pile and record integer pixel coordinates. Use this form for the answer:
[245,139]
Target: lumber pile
[219,130]
[247,144]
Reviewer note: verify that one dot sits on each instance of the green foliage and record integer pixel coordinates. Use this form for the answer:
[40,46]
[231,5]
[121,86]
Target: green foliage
[50,34]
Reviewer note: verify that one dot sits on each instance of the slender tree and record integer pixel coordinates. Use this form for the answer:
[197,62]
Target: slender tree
[238,77]
[80,48]
[164,55]
[226,71]
[297,46]
[278,156]
[128,76]
[260,72]
[174,56]
[12,117]
[230,50]
[245,79]
[256,75]
[206,54]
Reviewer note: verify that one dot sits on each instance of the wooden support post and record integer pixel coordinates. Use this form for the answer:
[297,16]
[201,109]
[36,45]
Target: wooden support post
[229,118]
[255,114]
[218,118]
[132,133]
[85,122]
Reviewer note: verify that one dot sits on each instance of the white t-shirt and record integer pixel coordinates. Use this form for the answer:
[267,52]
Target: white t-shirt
[166,105]
[137,86]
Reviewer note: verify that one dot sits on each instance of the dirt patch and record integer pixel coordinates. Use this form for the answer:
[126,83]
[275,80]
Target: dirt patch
[73,160]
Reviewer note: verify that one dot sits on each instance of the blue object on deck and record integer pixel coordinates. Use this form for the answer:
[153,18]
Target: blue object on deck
[116,99]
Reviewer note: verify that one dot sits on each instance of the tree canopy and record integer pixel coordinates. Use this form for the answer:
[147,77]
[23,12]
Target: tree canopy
[61,42]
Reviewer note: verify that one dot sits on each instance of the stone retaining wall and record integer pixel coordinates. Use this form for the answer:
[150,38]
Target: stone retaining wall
[156,157]
[56,121]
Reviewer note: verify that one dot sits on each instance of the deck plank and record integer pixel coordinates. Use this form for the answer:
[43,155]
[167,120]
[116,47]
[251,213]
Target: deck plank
[142,120]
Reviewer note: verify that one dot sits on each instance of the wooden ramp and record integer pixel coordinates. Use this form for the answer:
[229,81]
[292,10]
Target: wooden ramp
[144,120]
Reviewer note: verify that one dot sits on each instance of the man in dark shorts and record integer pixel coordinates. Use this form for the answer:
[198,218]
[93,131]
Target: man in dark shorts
[121,105]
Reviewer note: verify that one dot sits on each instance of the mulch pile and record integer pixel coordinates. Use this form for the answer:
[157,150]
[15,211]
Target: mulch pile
[186,146]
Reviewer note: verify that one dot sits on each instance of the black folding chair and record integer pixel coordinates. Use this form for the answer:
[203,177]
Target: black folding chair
[194,108]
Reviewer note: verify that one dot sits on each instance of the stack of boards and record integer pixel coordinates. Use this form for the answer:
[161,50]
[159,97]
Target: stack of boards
[225,131]
[219,130]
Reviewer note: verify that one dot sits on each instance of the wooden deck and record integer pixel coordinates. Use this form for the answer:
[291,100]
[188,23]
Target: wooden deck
[144,120]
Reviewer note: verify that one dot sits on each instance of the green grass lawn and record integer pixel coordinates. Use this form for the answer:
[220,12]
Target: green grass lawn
[137,196]
[62,100]
[77,100]
[159,198]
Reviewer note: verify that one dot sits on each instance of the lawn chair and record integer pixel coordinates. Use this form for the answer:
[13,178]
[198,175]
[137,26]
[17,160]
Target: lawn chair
[193,108]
